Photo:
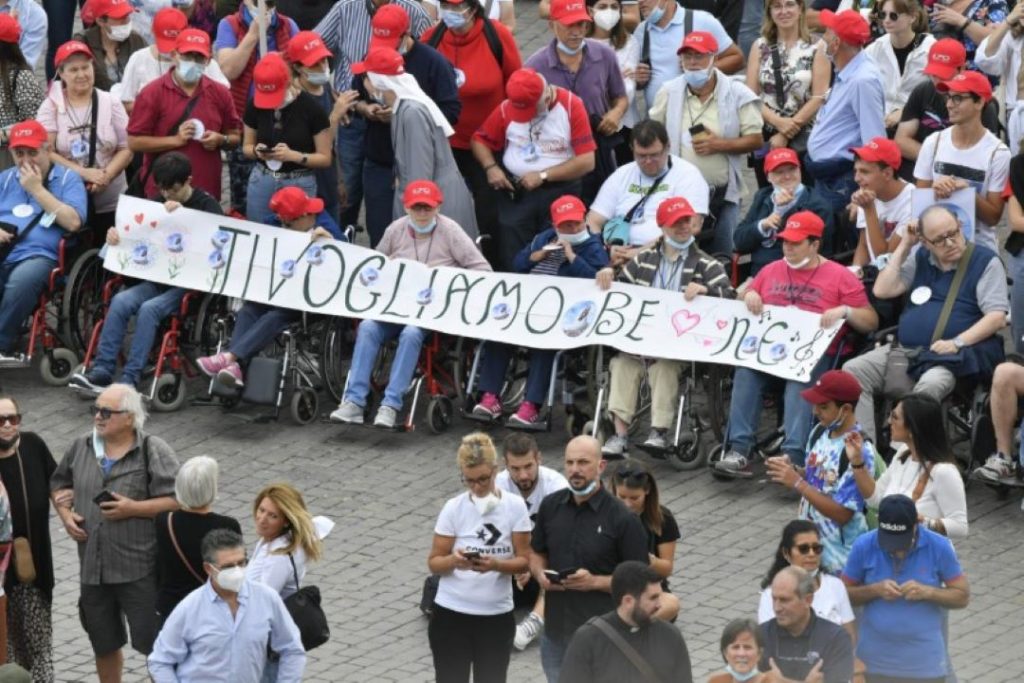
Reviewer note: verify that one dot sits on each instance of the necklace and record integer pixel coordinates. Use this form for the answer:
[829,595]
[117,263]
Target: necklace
[416,245]
[794,294]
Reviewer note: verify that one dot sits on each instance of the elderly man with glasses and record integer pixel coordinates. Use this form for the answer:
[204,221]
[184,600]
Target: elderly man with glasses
[109,486]
[944,343]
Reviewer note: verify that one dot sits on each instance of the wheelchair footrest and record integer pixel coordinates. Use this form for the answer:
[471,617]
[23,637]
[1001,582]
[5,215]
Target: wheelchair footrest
[263,381]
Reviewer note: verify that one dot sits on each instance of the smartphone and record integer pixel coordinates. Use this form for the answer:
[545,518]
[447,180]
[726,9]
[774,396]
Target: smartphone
[553,576]
[697,131]
[563,574]
[104,496]
[471,555]
[262,149]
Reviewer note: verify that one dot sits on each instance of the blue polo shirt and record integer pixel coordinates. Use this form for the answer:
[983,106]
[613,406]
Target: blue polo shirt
[901,638]
[65,185]
[852,114]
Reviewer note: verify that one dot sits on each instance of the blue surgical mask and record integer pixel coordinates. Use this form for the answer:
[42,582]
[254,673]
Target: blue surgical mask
[738,676]
[656,15]
[836,423]
[425,230]
[565,49]
[189,71]
[454,20]
[681,246]
[318,77]
[697,78]
[586,490]
[575,239]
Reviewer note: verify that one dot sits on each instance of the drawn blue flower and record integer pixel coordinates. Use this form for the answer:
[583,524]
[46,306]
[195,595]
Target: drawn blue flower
[500,311]
[749,344]
[425,296]
[777,352]
[216,259]
[141,255]
[368,276]
[287,269]
[578,318]
[220,239]
[314,255]
[175,243]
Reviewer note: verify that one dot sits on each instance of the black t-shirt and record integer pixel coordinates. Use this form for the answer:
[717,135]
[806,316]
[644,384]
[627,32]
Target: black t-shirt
[669,533]
[592,658]
[200,200]
[902,53]
[295,125]
[796,656]
[38,464]
[176,581]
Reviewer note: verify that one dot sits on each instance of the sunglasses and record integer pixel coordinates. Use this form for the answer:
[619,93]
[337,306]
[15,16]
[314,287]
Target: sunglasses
[891,16]
[105,413]
[632,478]
[13,420]
[806,548]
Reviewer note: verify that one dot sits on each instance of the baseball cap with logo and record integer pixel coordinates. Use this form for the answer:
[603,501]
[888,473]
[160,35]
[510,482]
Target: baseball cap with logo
[192,40]
[569,12]
[801,225]
[270,78]
[10,29]
[422,192]
[29,134]
[381,60]
[115,9]
[945,56]
[389,23]
[307,47]
[567,208]
[699,41]
[882,150]
[968,82]
[897,519]
[673,210]
[72,47]
[524,89]
[835,385]
[290,203]
[168,24]
[848,25]
[780,157]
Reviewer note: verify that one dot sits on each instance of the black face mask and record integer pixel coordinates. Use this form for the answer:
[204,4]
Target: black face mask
[6,444]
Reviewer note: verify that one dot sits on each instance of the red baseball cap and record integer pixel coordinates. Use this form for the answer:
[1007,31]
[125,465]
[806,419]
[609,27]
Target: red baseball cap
[422,192]
[849,25]
[780,157]
[168,24]
[672,210]
[569,12]
[381,60]
[524,89]
[290,203]
[945,56]
[835,385]
[882,150]
[307,47]
[801,225]
[389,23]
[115,9]
[271,78]
[192,40]
[10,29]
[29,134]
[968,82]
[72,47]
[567,208]
[699,41]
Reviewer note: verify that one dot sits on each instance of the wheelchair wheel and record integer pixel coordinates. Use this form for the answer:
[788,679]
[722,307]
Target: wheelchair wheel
[56,366]
[588,429]
[718,383]
[82,302]
[169,394]
[305,405]
[439,414]
[203,336]
[688,455]
[335,347]
[577,423]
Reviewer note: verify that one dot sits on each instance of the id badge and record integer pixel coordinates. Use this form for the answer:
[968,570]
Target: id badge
[530,153]
[79,150]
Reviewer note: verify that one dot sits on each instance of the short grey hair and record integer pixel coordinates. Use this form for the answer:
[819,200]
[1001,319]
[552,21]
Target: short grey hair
[933,211]
[196,484]
[804,581]
[131,401]
[219,539]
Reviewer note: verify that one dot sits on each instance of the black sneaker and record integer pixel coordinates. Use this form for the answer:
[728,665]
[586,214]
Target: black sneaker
[91,381]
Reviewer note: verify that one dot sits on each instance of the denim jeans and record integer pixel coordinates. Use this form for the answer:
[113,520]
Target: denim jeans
[836,191]
[60,22]
[552,654]
[379,193]
[256,326]
[351,149]
[21,284]
[494,368]
[262,187]
[371,336]
[151,303]
[721,241]
[747,401]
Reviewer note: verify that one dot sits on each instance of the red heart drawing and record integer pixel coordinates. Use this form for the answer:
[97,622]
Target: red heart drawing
[152,224]
[139,218]
[722,324]
[708,342]
[683,321]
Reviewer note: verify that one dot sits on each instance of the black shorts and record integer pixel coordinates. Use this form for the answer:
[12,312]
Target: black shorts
[103,610]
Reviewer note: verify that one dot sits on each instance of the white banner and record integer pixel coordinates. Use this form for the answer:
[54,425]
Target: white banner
[269,265]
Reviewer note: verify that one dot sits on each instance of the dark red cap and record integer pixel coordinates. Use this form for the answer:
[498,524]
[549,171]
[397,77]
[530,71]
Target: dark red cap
[801,225]
[780,157]
[835,385]
[422,192]
[882,150]
[271,77]
[72,47]
[672,210]
[388,25]
[290,203]
[945,56]
[968,82]
[849,25]
[382,60]
[29,134]
[567,208]
[524,89]
[10,29]
[699,41]
[307,47]
[168,24]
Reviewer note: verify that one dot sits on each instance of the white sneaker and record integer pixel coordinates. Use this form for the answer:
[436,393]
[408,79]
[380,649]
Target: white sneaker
[527,631]
[615,447]
[997,469]
[348,413]
[386,417]
[657,439]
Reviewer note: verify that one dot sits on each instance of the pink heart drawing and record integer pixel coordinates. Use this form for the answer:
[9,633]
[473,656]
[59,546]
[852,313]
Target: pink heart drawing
[683,321]
[708,342]
[127,228]
[139,218]
[721,324]
[152,224]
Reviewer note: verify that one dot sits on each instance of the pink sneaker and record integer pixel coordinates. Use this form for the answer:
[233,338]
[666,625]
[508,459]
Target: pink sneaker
[211,365]
[527,415]
[489,406]
[231,376]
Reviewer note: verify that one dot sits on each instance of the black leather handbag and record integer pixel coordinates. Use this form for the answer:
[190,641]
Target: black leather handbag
[308,615]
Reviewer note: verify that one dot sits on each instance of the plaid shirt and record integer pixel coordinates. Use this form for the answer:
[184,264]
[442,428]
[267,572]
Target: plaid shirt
[698,267]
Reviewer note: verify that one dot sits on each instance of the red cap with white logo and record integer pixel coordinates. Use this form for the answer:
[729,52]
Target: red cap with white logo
[673,210]
[389,24]
[72,47]
[290,203]
[780,157]
[968,82]
[194,41]
[381,60]
[801,225]
[270,81]
[29,134]
[567,208]
[422,192]
[569,12]
[307,48]
[699,41]
[10,29]
[168,24]
[945,56]
[881,150]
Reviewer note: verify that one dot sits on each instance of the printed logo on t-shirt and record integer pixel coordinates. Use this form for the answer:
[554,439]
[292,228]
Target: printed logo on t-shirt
[637,188]
[974,176]
[488,534]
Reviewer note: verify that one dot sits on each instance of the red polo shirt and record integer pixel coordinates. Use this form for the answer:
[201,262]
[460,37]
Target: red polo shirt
[161,104]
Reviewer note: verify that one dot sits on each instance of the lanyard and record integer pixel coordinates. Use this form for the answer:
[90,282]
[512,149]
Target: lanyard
[663,282]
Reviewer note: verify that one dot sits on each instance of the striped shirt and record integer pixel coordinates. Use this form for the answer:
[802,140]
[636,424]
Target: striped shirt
[346,32]
[698,267]
[125,550]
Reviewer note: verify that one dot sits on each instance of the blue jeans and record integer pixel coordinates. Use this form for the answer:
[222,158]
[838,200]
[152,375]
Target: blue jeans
[21,284]
[256,326]
[836,191]
[495,367]
[721,242]
[745,411]
[262,187]
[152,303]
[379,193]
[371,336]
[351,149]
[552,654]
[61,21]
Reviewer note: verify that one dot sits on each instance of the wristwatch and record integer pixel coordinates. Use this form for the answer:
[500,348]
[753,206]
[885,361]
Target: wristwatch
[304,159]
[543,176]
[959,342]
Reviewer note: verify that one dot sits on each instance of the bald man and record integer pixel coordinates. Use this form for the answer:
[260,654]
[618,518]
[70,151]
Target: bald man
[580,535]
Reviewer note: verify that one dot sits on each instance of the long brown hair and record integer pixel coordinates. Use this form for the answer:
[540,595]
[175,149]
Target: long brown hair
[618,35]
[911,7]
[633,475]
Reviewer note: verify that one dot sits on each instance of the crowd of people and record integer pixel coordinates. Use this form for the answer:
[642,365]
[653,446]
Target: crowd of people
[620,151]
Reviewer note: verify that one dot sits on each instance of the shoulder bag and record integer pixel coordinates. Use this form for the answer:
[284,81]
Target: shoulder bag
[799,143]
[24,565]
[308,615]
[616,230]
[137,186]
[177,549]
[634,657]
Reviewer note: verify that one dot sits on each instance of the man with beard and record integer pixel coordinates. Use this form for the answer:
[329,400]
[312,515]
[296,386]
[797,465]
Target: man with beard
[597,652]
[580,536]
[524,475]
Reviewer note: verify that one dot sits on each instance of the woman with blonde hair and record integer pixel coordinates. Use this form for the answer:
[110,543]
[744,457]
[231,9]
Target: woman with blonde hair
[481,540]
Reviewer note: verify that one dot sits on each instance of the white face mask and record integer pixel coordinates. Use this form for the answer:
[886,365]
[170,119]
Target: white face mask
[797,266]
[231,579]
[607,19]
[486,504]
[119,34]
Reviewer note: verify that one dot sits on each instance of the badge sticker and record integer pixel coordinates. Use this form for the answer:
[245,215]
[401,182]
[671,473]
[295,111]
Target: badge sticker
[460,78]
[274,164]
[79,149]
[200,128]
[22,210]
[921,295]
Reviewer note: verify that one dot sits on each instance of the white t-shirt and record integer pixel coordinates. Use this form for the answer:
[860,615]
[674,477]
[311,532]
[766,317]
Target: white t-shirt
[831,602]
[627,185]
[275,571]
[548,481]
[893,215]
[143,68]
[467,591]
[984,166]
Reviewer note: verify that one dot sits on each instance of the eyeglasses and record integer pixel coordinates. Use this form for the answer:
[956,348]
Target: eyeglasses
[891,16]
[808,548]
[13,420]
[479,481]
[105,413]
[949,239]
[958,98]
